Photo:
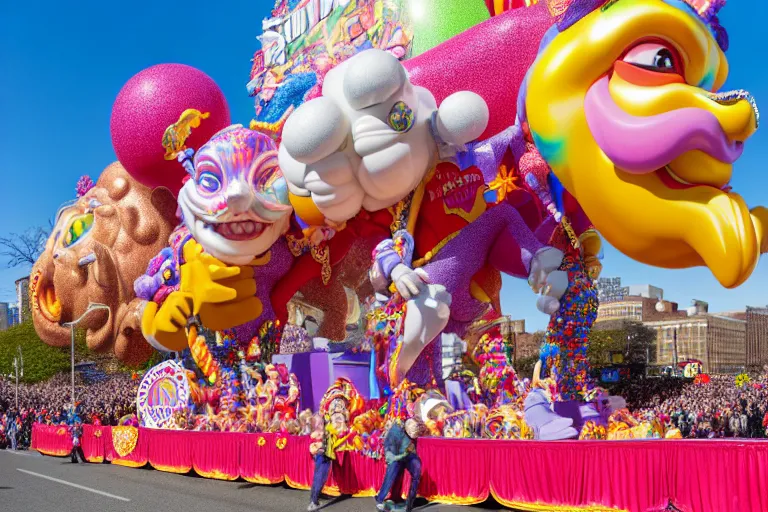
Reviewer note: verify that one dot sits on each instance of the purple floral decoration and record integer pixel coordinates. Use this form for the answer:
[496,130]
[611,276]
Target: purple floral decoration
[84,184]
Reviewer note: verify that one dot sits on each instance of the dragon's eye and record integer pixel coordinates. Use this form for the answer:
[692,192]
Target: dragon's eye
[401,117]
[78,228]
[655,57]
[209,182]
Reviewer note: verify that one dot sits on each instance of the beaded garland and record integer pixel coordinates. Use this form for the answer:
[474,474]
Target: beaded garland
[564,351]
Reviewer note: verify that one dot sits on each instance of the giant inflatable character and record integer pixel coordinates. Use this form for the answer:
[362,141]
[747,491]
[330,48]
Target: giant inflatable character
[651,139]
[373,142]
[234,209]
[239,256]
[625,102]
[641,133]
[99,245]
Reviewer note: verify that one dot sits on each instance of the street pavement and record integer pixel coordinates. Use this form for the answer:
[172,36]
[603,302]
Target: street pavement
[30,482]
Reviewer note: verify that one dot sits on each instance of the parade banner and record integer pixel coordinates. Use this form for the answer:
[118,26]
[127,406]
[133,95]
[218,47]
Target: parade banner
[163,391]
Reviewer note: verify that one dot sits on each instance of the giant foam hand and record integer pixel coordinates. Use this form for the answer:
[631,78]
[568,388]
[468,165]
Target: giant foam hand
[370,139]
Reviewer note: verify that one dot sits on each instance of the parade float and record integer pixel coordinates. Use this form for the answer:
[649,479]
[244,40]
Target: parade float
[507,145]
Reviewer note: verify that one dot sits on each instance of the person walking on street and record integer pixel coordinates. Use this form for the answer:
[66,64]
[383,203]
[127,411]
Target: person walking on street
[400,454]
[13,429]
[77,454]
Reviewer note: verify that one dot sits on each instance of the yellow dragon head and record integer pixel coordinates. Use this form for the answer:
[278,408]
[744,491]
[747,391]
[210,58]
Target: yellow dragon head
[622,104]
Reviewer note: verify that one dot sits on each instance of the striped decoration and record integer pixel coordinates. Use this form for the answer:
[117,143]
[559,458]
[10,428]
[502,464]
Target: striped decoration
[496,7]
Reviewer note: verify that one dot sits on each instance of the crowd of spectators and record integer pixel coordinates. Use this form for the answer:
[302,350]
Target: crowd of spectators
[718,408]
[49,402]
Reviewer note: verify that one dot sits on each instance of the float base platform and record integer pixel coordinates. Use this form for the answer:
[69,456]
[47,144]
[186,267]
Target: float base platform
[633,476]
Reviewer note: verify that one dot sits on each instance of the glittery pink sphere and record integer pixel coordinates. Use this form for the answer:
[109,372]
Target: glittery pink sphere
[150,102]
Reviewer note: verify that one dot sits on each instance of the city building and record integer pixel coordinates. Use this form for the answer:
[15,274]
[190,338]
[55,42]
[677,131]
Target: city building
[635,309]
[645,290]
[719,342]
[757,337]
[609,289]
[453,350]
[527,345]
[22,296]
[5,320]
[513,327]
[13,315]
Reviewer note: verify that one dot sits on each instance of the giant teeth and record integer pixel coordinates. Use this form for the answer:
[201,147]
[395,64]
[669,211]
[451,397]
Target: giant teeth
[236,228]
[248,227]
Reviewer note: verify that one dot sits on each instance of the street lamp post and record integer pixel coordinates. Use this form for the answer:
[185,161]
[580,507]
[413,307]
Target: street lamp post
[674,346]
[18,372]
[72,325]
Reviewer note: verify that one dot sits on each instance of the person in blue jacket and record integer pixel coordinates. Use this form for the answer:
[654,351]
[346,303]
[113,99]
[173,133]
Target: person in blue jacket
[400,454]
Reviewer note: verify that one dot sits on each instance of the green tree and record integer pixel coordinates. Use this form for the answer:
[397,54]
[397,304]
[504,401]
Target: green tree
[640,341]
[40,360]
[634,341]
[524,366]
[601,344]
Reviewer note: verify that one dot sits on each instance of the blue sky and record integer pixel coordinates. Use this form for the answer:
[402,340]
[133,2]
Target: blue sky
[63,63]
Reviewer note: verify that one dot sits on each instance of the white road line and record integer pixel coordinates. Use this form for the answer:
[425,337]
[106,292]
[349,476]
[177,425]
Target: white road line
[21,453]
[73,485]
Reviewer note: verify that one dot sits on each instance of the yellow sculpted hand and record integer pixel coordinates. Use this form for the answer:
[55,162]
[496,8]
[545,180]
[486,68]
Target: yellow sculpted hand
[203,277]
[223,296]
[166,323]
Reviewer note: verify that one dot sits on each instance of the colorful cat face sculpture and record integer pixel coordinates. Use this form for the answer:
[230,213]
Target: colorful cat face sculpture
[236,204]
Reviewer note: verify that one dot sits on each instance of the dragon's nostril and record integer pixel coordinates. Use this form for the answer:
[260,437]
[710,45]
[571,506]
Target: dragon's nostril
[733,97]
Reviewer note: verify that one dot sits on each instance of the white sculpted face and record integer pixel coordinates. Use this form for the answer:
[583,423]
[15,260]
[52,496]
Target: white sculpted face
[236,204]
[370,139]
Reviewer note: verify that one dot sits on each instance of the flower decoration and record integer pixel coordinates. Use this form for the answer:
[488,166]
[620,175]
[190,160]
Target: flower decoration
[84,184]
[281,442]
[97,433]
[262,441]
[504,183]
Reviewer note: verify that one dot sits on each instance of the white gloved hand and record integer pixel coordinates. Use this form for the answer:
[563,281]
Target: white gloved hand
[409,282]
[547,280]
[368,141]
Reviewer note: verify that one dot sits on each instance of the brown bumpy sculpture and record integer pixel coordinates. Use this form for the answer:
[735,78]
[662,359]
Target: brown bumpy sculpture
[97,249]
[332,299]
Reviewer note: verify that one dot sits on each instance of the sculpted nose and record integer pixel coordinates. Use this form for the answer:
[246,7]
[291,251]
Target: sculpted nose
[239,197]
[737,113]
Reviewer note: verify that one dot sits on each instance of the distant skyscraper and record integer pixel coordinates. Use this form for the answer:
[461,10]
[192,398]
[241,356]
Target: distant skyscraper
[13,315]
[5,320]
[22,296]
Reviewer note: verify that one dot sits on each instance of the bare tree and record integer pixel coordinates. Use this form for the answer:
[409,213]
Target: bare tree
[24,249]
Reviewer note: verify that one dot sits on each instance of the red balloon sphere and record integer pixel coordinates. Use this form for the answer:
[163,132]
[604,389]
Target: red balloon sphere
[150,102]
